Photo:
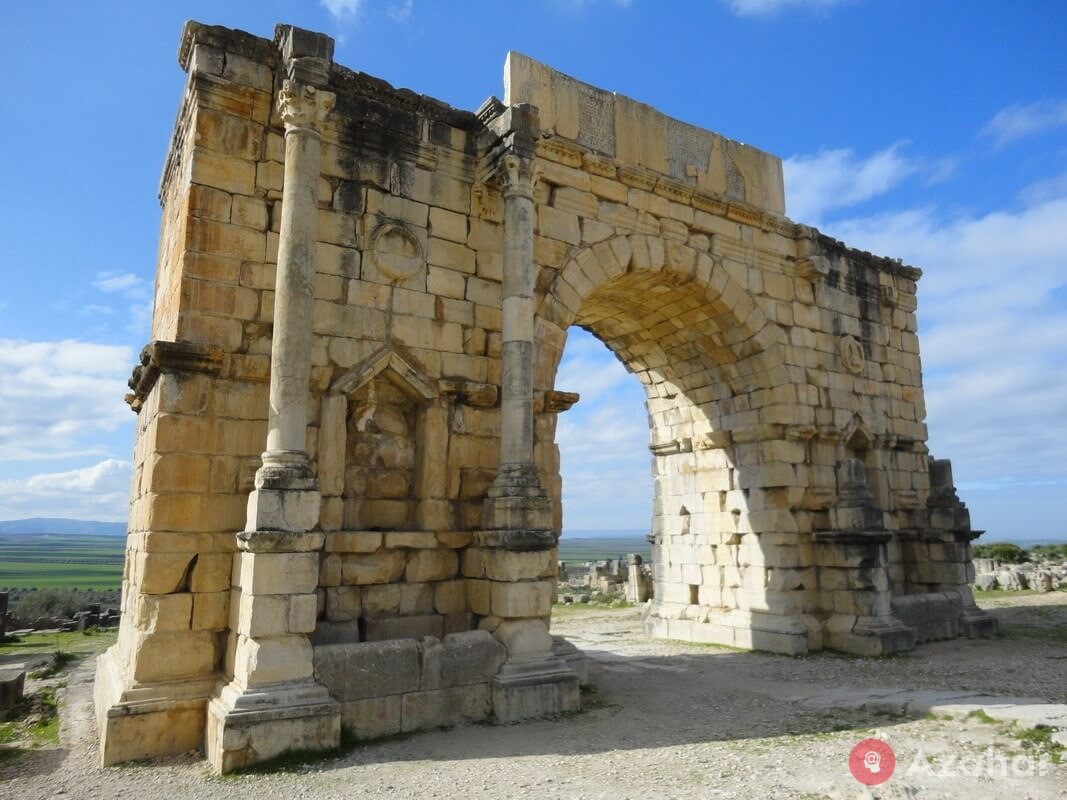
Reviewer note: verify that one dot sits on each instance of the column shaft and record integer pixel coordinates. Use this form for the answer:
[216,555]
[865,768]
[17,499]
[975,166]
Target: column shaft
[516,435]
[517,502]
[294,293]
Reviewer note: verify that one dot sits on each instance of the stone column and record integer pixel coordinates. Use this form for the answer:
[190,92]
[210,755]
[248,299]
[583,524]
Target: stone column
[518,543]
[273,703]
[517,502]
[286,497]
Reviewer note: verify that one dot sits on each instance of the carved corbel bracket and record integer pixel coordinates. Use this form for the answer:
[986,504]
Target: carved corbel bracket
[553,402]
[472,393]
[160,357]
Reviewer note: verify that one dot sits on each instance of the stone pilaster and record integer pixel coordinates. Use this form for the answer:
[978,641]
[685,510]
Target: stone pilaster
[950,561]
[273,704]
[853,566]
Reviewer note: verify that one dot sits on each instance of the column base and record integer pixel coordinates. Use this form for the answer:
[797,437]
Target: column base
[869,637]
[286,496]
[535,688]
[977,624]
[517,501]
[249,726]
[147,721]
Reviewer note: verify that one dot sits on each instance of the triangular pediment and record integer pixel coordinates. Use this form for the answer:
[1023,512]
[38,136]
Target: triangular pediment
[391,366]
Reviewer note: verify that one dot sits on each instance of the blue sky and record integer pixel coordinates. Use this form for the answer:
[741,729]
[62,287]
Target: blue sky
[915,129]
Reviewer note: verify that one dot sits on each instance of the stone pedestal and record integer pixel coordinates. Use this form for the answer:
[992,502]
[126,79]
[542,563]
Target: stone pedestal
[247,726]
[854,585]
[516,501]
[273,703]
[539,688]
[138,721]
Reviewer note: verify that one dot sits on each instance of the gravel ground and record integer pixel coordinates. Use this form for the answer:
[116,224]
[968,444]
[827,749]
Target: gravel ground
[668,720]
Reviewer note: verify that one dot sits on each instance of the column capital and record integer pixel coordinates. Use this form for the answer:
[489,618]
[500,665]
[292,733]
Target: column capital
[518,174]
[303,106]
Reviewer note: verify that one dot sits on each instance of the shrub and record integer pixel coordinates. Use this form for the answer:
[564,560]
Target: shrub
[46,603]
[1052,552]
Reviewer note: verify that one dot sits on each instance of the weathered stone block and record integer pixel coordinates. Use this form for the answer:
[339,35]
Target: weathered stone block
[211,611]
[381,600]
[353,541]
[274,660]
[211,572]
[384,566]
[506,565]
[460,659]
[12,683]
[161,573]
[450,597]
[444,707]
[343,603]
[413,627]
[521,599]
[372,718]
[432,565]
[163,612]
[368,669]
[416,598]
[279,573]
[173,655]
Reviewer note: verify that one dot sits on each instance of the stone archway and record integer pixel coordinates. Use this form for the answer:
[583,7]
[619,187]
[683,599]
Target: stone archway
[347,494]
[729,564]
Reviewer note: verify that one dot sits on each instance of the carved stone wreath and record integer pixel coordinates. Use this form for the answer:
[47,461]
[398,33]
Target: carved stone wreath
[852,354]
[396,251]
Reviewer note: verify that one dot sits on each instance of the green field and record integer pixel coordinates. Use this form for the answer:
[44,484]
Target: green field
[55,561]
[578,550]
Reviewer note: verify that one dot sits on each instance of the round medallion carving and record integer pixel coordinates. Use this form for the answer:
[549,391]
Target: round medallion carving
[396,251]
[852,354]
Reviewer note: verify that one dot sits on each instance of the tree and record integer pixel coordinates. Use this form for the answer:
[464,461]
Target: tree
[1005,552]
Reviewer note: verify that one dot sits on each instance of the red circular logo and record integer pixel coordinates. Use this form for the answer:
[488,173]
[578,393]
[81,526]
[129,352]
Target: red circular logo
[872,762]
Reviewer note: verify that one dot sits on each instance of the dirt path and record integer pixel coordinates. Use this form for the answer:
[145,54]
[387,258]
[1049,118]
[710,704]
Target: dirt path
[671,721]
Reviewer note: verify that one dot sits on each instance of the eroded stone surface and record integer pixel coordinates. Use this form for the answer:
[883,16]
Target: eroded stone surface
[371,327]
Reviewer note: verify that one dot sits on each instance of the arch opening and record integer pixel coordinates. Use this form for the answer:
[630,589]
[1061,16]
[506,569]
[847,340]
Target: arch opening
[718,522]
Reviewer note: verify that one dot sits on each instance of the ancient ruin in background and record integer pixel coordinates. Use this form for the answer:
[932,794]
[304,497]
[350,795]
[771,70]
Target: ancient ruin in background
[347,493]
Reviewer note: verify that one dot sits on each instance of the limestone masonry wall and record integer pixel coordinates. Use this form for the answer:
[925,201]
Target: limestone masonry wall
[347,490]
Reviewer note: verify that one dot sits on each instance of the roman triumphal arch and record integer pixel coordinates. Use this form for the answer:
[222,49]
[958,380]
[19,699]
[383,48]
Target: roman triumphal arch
[347,496]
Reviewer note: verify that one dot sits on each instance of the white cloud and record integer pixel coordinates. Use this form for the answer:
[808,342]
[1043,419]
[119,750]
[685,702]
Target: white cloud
[834,179]
[110,282]
[1047,189]
[99,492]
[96,310]
[603,440]
[767,8]
[342,9]
[401,10]
[589,368]
[1019,121]
[994,320]
[993,314]
[56,398]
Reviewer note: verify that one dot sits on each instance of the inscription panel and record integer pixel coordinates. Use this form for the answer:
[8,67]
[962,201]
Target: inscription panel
[687,147]
[596,119]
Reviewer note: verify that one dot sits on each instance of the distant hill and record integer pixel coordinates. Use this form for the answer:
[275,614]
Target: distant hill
[80,527]
[617,533]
